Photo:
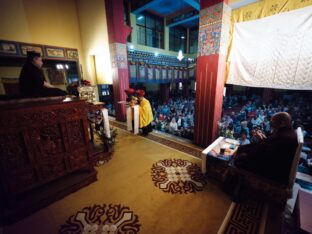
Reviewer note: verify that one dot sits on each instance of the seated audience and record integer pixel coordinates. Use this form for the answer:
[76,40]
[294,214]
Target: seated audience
[243,140]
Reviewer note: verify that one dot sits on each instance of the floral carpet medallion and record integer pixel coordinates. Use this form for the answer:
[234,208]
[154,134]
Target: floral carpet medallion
[177,176]
[102,219]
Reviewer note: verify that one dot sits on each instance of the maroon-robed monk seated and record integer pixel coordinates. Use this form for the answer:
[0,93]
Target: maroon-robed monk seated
[271,157]
[32,81]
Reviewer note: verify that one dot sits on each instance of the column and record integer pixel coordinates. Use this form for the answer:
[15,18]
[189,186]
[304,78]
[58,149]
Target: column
[213,39]
[117,35]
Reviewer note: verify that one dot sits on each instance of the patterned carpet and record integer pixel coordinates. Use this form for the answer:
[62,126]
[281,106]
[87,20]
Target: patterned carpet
[244,218]
[178,176]
[102,219]
[165,141]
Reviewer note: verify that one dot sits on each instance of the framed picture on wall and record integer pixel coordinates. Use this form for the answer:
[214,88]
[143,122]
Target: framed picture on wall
[170,71]
[180,73]
[191,73]
[185,73]
[164,73]
[157,72]
[150,72]
[54,52]
[176,73]
[28,47]
[72,54]
[142,73]
[133,70]
[8,48]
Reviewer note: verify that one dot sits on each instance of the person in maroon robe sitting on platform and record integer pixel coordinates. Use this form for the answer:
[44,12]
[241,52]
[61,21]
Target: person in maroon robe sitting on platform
[271,157]
[32,82]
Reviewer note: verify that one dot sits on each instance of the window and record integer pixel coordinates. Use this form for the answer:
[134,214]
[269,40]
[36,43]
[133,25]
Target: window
[150,30]
[177,39]
[193,40]
[104,90]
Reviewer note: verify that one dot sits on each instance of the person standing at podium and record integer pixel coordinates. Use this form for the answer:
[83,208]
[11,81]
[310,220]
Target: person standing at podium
[145,113]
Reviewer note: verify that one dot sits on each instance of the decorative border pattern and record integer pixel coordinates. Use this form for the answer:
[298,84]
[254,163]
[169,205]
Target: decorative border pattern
[118,53]
[245,218]
[178,176]
[102,219]
[214,27]
[164,141]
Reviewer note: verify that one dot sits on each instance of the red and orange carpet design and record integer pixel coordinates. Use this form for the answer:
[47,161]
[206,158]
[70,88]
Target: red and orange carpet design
[177,176]
[102,219]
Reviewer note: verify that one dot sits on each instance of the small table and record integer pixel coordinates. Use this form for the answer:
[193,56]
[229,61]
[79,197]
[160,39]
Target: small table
[215,163]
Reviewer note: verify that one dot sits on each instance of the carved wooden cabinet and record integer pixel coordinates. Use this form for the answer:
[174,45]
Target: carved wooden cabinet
[42,142]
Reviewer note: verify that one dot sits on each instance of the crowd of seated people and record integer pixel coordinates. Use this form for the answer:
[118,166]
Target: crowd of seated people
[243,117]
[175,117]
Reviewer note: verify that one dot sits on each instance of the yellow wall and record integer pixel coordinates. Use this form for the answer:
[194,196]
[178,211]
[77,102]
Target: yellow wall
[8,72]
[94,37]
[41,21]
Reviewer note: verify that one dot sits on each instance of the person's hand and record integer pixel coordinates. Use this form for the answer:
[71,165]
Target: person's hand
[260,135]
[47,85]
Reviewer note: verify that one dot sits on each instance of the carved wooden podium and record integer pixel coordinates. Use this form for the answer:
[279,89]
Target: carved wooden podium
[44,153]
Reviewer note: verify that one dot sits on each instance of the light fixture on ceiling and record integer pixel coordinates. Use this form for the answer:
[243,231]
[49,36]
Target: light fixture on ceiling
[183,37]
[131,47]
[140,17]
[180,55]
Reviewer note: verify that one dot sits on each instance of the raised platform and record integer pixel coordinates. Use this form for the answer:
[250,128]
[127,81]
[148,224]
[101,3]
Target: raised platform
[43,196]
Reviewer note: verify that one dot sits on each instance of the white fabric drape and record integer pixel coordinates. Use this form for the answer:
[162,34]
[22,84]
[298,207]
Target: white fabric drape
[273,52]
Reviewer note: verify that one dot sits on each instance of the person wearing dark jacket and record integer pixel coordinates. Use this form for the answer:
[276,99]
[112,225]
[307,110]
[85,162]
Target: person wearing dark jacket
[32,82]
[271,157]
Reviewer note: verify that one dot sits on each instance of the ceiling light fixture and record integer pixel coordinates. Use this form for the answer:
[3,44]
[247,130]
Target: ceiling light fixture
[180,55]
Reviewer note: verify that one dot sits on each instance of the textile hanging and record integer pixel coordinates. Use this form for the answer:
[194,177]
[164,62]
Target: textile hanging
[273,52]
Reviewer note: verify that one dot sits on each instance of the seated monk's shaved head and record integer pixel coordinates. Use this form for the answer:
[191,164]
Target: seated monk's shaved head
[281,120]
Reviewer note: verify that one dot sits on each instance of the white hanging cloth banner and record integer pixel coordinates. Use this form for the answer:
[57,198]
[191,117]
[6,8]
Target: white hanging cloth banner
[135,110]
[273,52]
[106,123]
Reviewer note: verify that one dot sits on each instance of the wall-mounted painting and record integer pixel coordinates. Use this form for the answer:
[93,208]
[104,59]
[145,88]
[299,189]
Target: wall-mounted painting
[142,72]
[164,73]
[72,54]
[157,72]
[9,48]
[180,73]
[170,73]
[150,72]
[53,52]
[176,73]
[185,73]
[27,47]
[133,70]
